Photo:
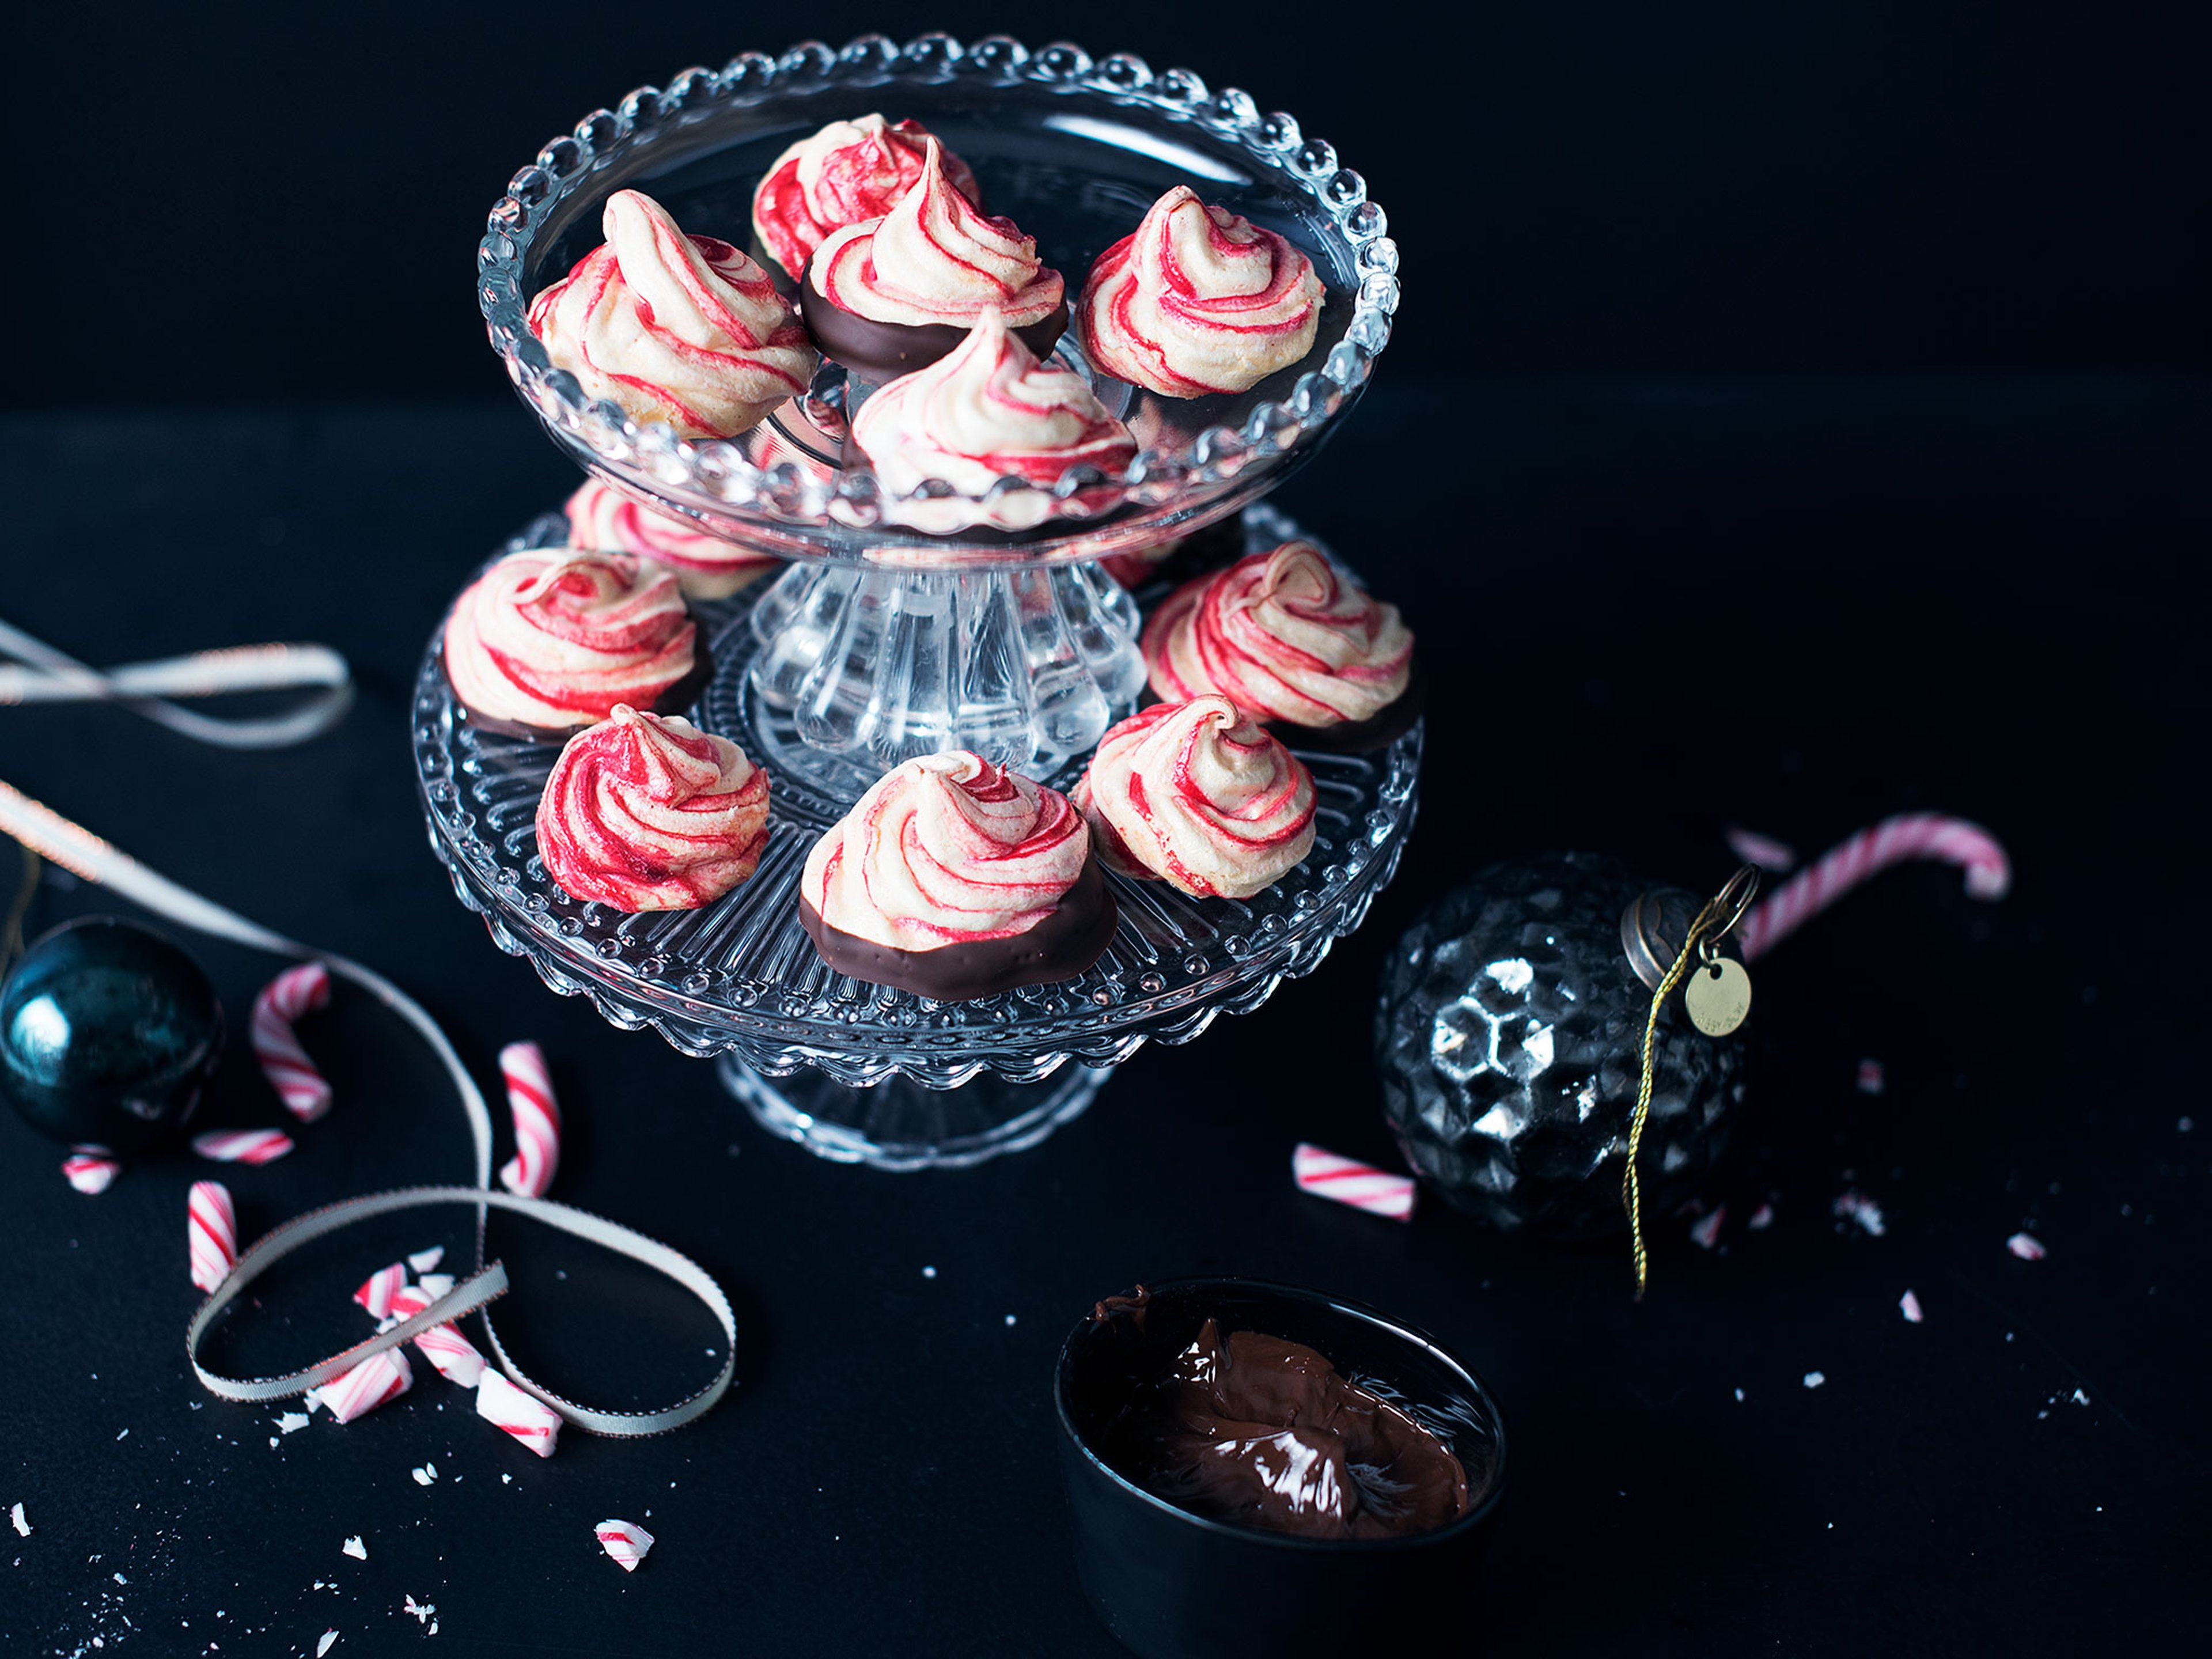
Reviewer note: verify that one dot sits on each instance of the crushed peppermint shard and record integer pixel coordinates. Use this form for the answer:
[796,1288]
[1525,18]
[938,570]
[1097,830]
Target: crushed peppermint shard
[377,1381]
[1761,1219]
[1706,1230]
[1909,1305]
[1856,1206]
[22,1526]
[1872,1080]
[2026,1246]
[422,1610]
[1776,858]
[1346,1181]
[529,1420]
[329,1641]
[536,1121]
[454,1356]
[377,1291]
[292,1422]
[423,1260]
[210,1233]
[625,1541]
[354,1547]
[243,1145]
[1814,1379]
[91,1169]
[295,992]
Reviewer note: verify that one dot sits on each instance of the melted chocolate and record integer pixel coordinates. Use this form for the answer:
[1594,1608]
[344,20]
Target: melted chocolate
[1261,1433]
[1068,940]
[1378,731]
[883,351]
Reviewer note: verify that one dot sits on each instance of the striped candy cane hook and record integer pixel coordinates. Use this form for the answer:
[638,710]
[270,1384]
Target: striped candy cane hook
[1867,855]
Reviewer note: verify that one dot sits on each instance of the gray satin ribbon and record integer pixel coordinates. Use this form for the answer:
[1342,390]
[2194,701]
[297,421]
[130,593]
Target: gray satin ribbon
[46,832]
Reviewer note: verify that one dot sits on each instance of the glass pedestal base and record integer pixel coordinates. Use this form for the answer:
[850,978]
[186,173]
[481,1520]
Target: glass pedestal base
[900,1125]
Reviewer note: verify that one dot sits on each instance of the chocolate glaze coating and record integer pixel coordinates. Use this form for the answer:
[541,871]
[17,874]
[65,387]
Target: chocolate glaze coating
[883,351]
[674,701]
[1062,945]
[1378,731]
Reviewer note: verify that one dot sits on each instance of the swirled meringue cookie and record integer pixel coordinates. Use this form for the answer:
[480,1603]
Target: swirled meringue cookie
[897,293]
[551,639]
[607,520]
[847,173]
[1201,796]
[952,879]
[1285,638]
[989,411]
[1198,301]
[643,813]
[683,329]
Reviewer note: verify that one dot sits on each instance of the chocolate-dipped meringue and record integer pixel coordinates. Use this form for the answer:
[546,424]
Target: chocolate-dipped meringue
[1199,795]
[683,329]
[643,813]
[549,640]
[706,568]
[1287,639]
[1198,301]
[989,411]
[952,879]
[898,293]
[847,173]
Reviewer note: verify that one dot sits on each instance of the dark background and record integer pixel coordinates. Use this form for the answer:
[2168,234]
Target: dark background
[235,202]
[1831,380]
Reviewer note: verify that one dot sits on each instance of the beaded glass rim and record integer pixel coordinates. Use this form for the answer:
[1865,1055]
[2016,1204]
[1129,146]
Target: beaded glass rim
[649,455]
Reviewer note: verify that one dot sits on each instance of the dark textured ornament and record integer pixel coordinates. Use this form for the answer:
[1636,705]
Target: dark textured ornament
[1509,1036]
[107,1033]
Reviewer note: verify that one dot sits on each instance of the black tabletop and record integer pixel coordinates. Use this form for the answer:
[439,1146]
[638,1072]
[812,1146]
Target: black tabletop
[1652,609]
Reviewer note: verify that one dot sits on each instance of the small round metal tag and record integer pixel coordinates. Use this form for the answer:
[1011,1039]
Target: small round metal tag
[1718,996]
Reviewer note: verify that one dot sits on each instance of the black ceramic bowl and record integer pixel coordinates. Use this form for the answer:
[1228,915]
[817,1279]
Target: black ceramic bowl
[1171,1584]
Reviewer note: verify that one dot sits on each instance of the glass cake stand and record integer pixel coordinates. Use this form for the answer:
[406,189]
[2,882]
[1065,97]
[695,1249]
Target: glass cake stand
[881,643]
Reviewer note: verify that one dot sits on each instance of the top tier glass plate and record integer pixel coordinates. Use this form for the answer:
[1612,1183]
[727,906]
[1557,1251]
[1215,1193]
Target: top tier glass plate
[1075,149]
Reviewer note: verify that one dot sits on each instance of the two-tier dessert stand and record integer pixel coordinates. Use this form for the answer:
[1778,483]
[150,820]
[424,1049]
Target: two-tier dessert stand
[878,644]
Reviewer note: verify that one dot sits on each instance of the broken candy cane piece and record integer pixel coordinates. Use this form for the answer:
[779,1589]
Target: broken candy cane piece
[354,1547]
[243,1145]
[423,1260]
[536,1121]
[16,1518]
[377,1381]
[1909,1305]
[295,992]
[329,1641]
[1705,1231]
[2026,1246]
[210,1232]
[625,1541]
[529,1420]
[454,1355]
[377,1291]
[1345,1181]
[90,1170]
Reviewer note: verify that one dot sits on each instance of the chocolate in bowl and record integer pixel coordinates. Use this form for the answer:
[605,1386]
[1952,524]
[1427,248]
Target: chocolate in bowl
[1173,1583]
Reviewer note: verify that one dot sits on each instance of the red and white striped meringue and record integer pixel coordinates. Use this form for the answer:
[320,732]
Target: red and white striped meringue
[683,329]
[847,173]
[990,410]
[643,813]
[556,637]
[1199,795]
[935,259]
[605,520]
[1285,637]
[1198,299]
[946,849]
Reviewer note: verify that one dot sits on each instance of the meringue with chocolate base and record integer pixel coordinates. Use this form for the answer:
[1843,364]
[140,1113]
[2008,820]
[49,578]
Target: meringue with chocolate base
[605,519]
[953,878]
[550,639]
[1198,301]
[643,813]
[847,173]
[1201,796]
[895,293]
[989,411]
[1285,637]
[683,329]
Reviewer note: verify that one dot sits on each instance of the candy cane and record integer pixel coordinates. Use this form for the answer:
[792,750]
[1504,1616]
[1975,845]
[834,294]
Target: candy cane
[377,1291]
[535,1424]
[210,1233]
[454,1356]
[243,1145]
[377,1381]
[625,1541]
[1893,840]
[90,1169]
[536,1121]
[1362,1186]
[293,993]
